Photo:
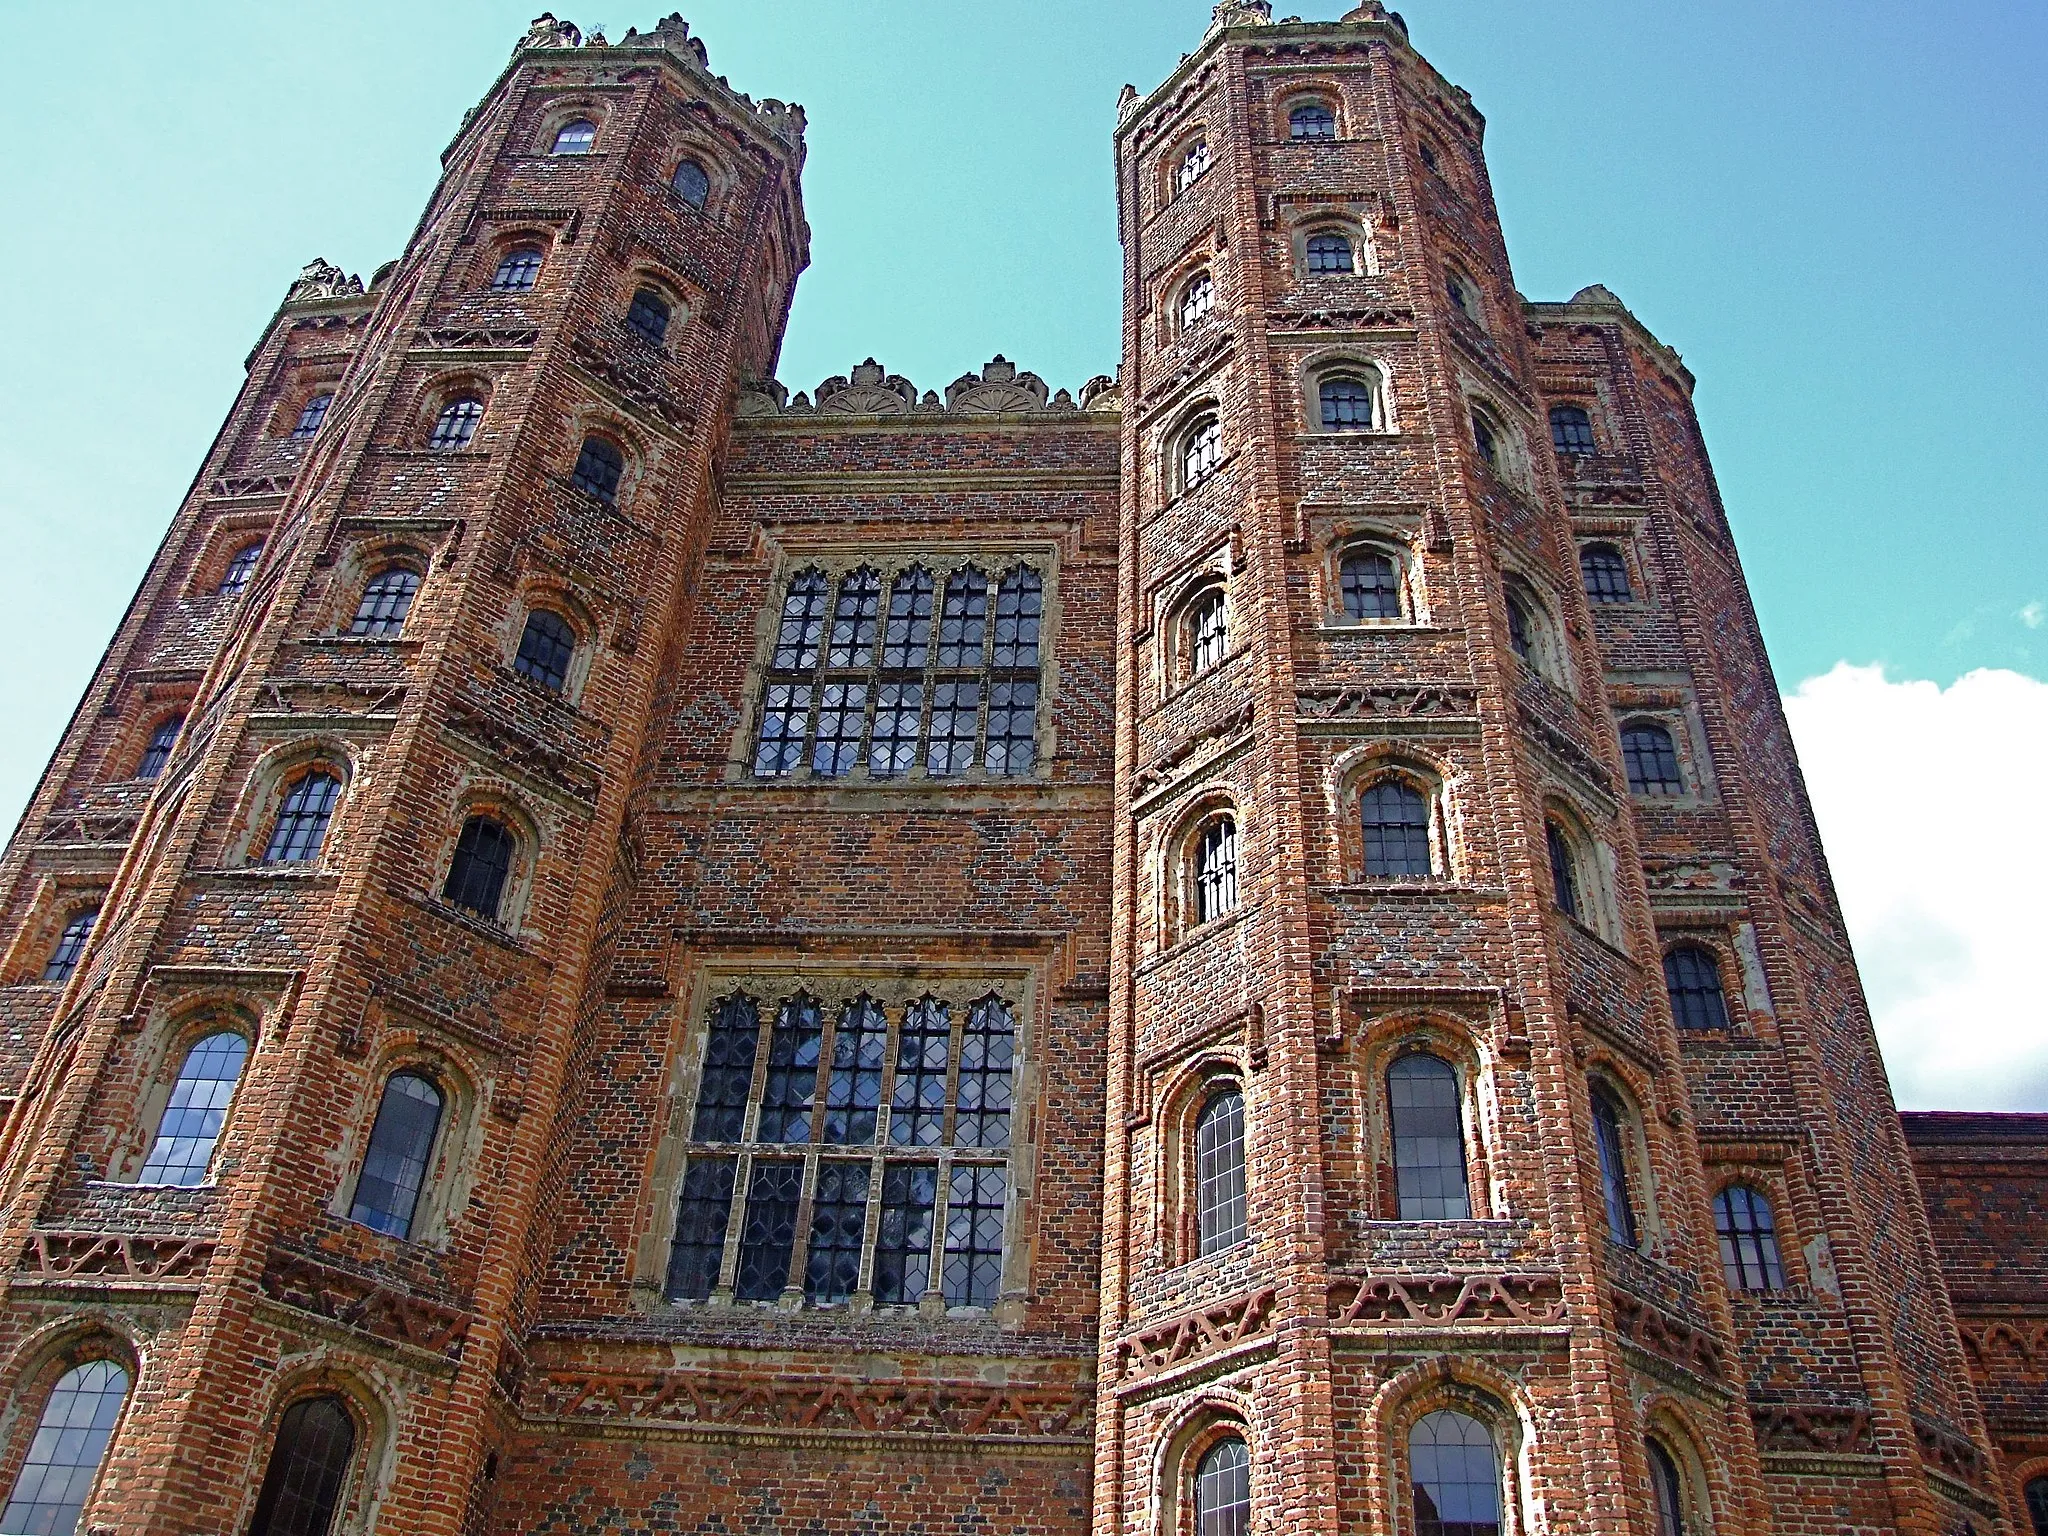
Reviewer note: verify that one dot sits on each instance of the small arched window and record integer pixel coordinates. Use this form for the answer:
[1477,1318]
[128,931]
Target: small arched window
[1459,292]
[1610,1143]
[1564,871]
[692,183]
[1223,1489]
[1692,977]
[386,600]
[158,752]
[575,138]
[1215,870]
[1455,1473]
[401,1144]
[1312,120]
[1193,162]
[1427,151]
[1429,1139]
[648,316]
[483,861]
[70,946]
[1749,1240]
[1651,758]
[1571,429]
[1371,584]
[1667,1489]
[1486,438]
[456,424]
[302,1486]
[1208,631]
[1219,1172]
[1197,298]
[2037,1505]
[1605,573]
[1201,450]
[598,468]
[545,649]
[518,270]
[1329,251]
[311,414]
[301,826]
[1521,626]
[70,1442]
[240,568]
[1395,819]
[1347,404]
[195,1112]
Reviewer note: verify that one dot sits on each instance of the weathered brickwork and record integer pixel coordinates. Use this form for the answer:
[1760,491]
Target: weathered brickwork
[1027,960]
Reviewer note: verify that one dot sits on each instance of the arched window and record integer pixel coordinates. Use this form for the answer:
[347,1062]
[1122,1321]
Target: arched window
[1216,870]
[648,315]
[1312,120]
[70,945]
[692,183]
[1564,871]
[1347,404]
[1521,628]
[1429,1139]
[1208,631]
[1610,1134]
[1692,976]
[483,860]
[1427,151]
[1219,1172]
[395,1166]
[1201,450]
[1197,298]
[70,1441]
[575,138]
[1223,1489]
[1329,251]
[1459,292]
[195,1112]
[1667,1489]
[518,270]
[316,1439]
[1455,1473]
[387,599]
[598,468]
[1749,1240]
[1395,818]
[311,414]
[2037,1505]
[545,649]
[456,424]
[1571,429]
[1371,584]
[1486,438]
[302,817]
[1651,758]
[1192,163]
[158,752]
[240,568]
[1605,573]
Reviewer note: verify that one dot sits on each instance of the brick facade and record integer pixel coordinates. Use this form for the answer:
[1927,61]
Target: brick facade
[933,842]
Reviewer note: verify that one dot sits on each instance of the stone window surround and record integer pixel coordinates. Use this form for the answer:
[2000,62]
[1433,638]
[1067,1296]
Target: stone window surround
[1182,1099]
[58,899]
[329,1374]
[493,796]
[273,773]
[1312,92]
[1633,1093]
[42,1362]
[160,1057]
[1387,1037]
[1360,767]
[1216,1415]
[1374,536]
[226,537]
[1370,369]
[1665,1422]
[1550,654]
[458,1140]
[1461,1385]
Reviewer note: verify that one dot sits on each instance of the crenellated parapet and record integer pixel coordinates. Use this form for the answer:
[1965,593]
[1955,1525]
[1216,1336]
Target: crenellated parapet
[999,388]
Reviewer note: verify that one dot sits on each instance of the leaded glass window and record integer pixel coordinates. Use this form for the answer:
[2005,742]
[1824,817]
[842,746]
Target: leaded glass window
[456,424]
[1571,430]
[1329,252]
[899,1103]
[546,647]
[311,414]
[386,600]
[599,466]
[1219,1172]
[1486,439]
[648,315]
[308,1467]
[198,1107]
[1651,758]
[2037,1505]
[1454,1471]
[1193,162]
[1198,298]
[1605,573]
[1208,631]
[1395,819]
[240,568]
[1692,978]
[301,826]
[64,1457]
[518,269]
[1347,404]
[1371,584]
[1223,1490]
[1668,1489]
[1201,451]
[1749,1240]
[859,683]
[70,946]
[483,860]
[395,1166]
[1215,871]
[1610,1144]
[1312,120]
[1429,1139]
[575,138]
[1564,873]
[1521,630]
[692,183]
[161,741]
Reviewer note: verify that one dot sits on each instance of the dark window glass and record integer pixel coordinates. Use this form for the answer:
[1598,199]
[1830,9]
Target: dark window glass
[956,719]
[1219,1172]
[1605,573]
[768,1235]
[917,1109]
[65,1455]
[1192,164]
[988,1053]
[974,1236]
[1486,440]
[795,1047]
[1429,1139]
[648,314]
[839,1219]
[854,619]
[1428,152]
[802,628]
[1201,451]
[1012,726]
[1396,821]
[892,743]
[1521,637]
[1312,120]
[1372,587]
[1692,977]
[785,718]
[1669,1491]
[598,468]
[158,752]
[456,424]
[1330,252]
[386,600]
[1650,757]
[1456,1475]
[1749,1240]
[517,270]
[311,414]
[1571,429]
[693,183]
[907,633]
[302,819]
[1223,1490]
[240,569]
[575,138]
[853,1091]
[2037,1505]
[842,714]
[70,946]
[1020,606]
[1459,295]
[1208,625]
[483,860]
[395,1167]
[1347,404]
[1216,870]
[308,1465]
[701,1215]
[1609,1122]
[195,1112]
[963,624]
[1564,876]
[728,1077]
[546,646]
[1198,298]
[903,1246]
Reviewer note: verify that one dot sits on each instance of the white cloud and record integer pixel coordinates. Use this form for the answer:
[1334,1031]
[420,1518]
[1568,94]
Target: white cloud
[2034,614]
[1933,804]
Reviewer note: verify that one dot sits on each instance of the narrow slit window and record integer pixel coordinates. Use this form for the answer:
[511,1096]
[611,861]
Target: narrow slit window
[1610,1143]
[197,1109]
[1564,875]
[1197,299]
[1208,631]
[70,947]
[1669,1489]
[1219,1173]
[401,1148]
[162,741]
[1201,451]
[1429,1139]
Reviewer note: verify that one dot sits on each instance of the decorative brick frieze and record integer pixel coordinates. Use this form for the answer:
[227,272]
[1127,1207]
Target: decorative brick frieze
[1444,1301]
[157,1261]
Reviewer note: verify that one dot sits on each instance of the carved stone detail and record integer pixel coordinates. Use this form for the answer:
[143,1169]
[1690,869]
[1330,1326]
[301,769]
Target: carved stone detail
[321,279]
[251,485]
[1197,1334]
[1825,1428]
[1437,1301]
[1951,1451]
[1418,702]
[113,1257]
[871,390]
[355,1302]
[1661,1334]
[1165,769]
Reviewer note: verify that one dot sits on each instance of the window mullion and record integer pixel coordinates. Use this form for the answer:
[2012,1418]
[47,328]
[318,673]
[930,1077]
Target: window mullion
[735,1229]
[871,1226]
[800,1239]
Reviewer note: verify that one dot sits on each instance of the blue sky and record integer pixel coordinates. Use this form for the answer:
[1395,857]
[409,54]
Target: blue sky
[1835,211]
